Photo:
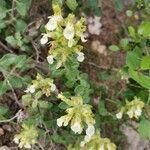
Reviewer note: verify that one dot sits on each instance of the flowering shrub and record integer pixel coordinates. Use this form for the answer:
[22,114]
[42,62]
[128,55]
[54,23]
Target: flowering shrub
[57,106]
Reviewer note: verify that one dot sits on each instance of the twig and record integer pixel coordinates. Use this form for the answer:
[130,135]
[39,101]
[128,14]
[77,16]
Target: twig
[5,47]
[11,119]
[13,8]
[36,50]
[101,67]
[15,96]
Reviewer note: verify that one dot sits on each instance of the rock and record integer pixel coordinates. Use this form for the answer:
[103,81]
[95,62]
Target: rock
[135,142]
[4,148]
[1,132]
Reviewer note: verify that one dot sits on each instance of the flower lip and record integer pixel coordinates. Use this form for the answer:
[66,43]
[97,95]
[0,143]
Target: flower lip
[119,115]
[90,130]
[76,127]
[80,56]
[50,59]
[52,24]
[44,39]
[69,32]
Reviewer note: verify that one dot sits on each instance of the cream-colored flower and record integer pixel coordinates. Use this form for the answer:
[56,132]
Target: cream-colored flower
[30,89]
[16,140]
[44,39]
[69,32]
[130,113]
[50,59]
[80,56]
[138,112]
[76,127]
[101,147]
[82,143]
[83,38]
[70,43]
[90,130]
[28,146]
[119,115]
[60,121]
[52,24]
[53,87]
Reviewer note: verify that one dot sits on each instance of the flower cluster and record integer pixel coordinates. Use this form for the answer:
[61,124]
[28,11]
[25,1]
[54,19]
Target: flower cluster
[27,137]
[45,85]
[133,109]
[64,34]
[78,114]
[96,142]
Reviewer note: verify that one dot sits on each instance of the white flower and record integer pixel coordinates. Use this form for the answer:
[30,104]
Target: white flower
[80,56]
[52,24]
[90,130]
[69,32]
[16,140]
[60,121]
[30,89]
[83,38]
[101,147]
[87,138]
[21,145]
[44,39]
[70,42]
[119,115]
[138,112]
[130,113]
[50,59]
[82,143]
[76,127]
[28,146]
[53,87]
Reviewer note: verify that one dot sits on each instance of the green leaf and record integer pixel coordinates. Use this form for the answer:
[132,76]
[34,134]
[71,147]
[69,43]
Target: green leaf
[23,6]
[144,128]
[12,41]
[144,29]
[15,82]
[63,105]
[27,99]
[44,104]
[20,61]
[72,4]
[140,78]
[102,109]
[119,5]
[124,43]
[132,32]
[3,12]
[58,2]
[3,87]
[145,63]
[114,48]
[133,59]
[3,110]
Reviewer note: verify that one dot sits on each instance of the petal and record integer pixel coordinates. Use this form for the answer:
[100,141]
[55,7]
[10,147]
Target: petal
[44,39]
[50,59]
[70,43]
[76,128]
[60,121]
[53,87]
[90,130]
[69,32]
[80,56]
[51,25]
[119,115]
[83,38]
